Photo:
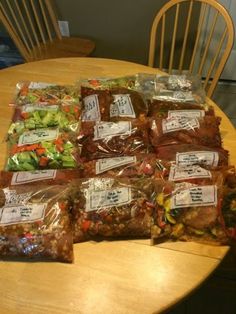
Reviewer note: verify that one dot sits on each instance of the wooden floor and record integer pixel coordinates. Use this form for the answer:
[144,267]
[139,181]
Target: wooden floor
[217,295]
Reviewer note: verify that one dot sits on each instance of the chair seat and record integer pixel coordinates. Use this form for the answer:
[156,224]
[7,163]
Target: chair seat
[65,47]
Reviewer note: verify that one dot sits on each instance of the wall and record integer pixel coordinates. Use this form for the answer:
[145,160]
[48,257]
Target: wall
[119,28]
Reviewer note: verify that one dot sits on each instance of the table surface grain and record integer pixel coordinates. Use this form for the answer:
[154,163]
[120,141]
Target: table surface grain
[106,277]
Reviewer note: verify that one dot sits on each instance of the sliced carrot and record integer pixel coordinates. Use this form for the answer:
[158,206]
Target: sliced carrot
[43,161]
[40,151]
[58,141]
[25,115]
[59,148]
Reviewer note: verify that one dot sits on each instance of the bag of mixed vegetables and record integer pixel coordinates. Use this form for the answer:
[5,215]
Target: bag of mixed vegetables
[113,139]
[42,149]
[203,131]
[114,104]
[37,116]
[188,212]
[35,223]
[108,208]
[45,93]
[108,82]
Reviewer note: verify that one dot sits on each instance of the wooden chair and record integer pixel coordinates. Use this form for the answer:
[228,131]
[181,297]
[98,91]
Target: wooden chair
[200,39]
[32,25]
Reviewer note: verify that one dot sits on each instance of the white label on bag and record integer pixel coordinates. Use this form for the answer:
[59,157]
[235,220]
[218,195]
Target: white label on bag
[22,214]
[36,136]
[91,109]
[122,106]
[109,129]
[13,198]
[195,196]
[39,85]
[39,107]
[99,200]
[186,113]
[178,173]
[106,164]
[186,96]
[32,176]
[176,124]
[197,157]
[100,184]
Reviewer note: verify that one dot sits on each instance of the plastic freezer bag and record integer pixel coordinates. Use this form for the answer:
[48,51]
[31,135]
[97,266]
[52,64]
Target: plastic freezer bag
[189,212]
[170,109]
[140,165]
[37,116]
[36,177]
[203,131]
[42,149]
[182,88]
[192,154]
[108,208]
[35,223]
[41,92]
[117,103]
[113,139]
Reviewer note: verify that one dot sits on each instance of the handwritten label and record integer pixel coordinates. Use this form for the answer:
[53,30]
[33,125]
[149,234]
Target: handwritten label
[39,107]
[195,196]
[13,198]
[176,124]
[197,158]
[106,164]
[22,214]
[110,129]
[186,113]
[122,106]
[39,85]
[91,109]
[35,136]
[99,200]
[178,173]
[23,177]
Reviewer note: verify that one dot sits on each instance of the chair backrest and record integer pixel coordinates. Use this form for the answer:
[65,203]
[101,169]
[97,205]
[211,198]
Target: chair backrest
[202,36]
[31,24]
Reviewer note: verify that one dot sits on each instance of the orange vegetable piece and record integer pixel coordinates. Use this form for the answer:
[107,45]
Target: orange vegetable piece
[43,161]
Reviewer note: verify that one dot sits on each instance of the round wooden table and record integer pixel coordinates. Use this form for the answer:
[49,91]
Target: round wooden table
[106,277]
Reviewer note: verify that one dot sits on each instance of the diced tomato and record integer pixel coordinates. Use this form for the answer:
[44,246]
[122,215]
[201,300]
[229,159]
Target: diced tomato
[85,225]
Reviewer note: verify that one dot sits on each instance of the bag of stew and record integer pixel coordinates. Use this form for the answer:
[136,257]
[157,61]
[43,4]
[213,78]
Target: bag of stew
[229,205]
[46,177]
[45,93]
[188,212]
[170,109]
[112,208]
[194,174]
[42,149]
[125,166]
[192,154]
[35,223]
[114,104]
[38,116]
[113,139]
[203,131]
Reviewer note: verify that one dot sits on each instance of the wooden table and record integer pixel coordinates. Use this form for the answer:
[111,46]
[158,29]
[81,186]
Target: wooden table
[107,277]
